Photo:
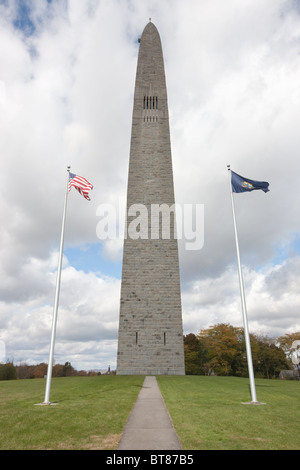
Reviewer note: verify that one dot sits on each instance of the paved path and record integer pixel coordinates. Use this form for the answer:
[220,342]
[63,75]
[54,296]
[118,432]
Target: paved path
[149,426]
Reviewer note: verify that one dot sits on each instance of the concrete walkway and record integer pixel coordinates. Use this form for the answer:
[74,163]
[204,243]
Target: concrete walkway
[149,426]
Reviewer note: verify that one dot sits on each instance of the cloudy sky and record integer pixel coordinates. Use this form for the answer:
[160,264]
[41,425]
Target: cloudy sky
[67,72]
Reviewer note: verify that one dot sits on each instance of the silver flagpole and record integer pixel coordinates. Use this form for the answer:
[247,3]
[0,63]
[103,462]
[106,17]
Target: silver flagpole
[245,321]
[54,320]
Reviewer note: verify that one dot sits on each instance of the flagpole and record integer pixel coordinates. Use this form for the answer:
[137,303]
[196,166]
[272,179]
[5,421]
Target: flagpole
[55,310]
[244,310]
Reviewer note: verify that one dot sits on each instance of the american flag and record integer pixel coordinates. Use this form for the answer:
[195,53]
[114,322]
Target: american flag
[81,184]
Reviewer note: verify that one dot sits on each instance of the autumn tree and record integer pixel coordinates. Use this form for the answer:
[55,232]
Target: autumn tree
[58,370]
[221,350]
[24,371]
[8,371]
[225,355]
[68,369]
[40,370]
[194,355]
[268,358]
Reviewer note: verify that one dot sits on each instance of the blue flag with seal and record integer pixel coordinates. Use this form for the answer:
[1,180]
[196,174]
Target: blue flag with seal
[241,185]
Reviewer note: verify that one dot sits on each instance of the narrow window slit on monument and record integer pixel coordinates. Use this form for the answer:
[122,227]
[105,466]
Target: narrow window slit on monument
[164,338]
[136,338]
[150,102]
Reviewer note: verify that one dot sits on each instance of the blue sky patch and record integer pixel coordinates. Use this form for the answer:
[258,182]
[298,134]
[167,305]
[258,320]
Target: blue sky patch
[287,250]
[90,259]
[23,21]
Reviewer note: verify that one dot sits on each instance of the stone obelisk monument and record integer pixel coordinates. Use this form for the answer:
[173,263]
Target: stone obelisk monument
[150,327]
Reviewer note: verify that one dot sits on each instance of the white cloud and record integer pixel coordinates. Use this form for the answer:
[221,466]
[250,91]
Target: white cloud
[272,300]
[87,315]
[66,98]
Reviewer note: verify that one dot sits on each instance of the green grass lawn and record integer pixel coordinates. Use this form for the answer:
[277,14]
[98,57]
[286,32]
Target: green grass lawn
[207,412]
[90,414]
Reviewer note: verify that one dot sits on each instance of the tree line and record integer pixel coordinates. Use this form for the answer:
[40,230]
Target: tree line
[221,350]
[9,371]
[218,350]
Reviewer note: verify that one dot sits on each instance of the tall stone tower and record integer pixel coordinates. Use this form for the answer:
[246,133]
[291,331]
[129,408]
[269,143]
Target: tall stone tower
[150,327]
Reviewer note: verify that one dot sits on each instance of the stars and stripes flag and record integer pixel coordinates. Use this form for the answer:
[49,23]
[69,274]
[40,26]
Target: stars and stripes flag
[81,184]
